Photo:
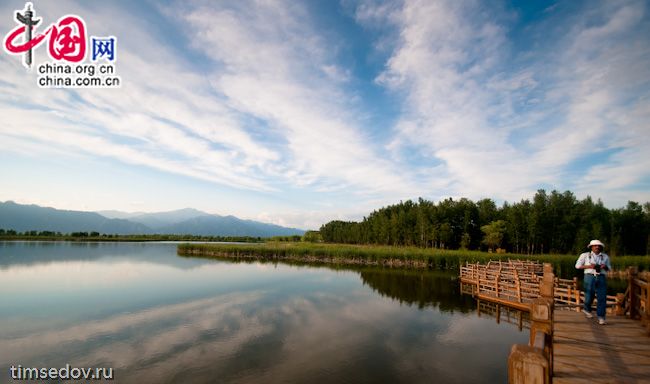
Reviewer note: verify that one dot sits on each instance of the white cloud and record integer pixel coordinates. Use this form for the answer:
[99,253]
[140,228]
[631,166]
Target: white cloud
[253,97]
[149,121]
[311,220]
[270,114]
[446,60]
[464,103]
[607,113]
[274,71]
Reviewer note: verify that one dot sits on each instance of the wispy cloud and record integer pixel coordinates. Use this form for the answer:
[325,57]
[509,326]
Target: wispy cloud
[469,94]
[609,101]
[254,96]
[282,72]
[448,62]
[150,121]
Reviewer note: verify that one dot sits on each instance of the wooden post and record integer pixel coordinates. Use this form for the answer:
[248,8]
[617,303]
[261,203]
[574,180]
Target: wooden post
[546,285]
[632,273]
[645,317]
[576,291]
[541,317]
[541,313]
[527,365]
[620,304]
[518,286]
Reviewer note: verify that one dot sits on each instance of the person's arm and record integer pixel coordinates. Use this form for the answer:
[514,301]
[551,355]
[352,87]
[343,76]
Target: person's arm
[607,263]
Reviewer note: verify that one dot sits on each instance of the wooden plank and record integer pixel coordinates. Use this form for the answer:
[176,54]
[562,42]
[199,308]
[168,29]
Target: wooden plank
[586,352]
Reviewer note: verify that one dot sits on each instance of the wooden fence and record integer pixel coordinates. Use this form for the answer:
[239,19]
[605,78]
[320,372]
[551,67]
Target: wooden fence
[517,283]
[471,272]
[637,296]
[534,362]
[514,283]
[569,295]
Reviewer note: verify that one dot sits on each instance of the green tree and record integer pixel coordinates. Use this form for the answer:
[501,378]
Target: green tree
[494,233]
[312,237]
[517,226]
[538,222]
[561,221]
[487,211]
[550,223]
[629,233]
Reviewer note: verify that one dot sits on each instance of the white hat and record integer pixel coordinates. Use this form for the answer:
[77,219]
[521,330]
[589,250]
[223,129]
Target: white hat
[595,242]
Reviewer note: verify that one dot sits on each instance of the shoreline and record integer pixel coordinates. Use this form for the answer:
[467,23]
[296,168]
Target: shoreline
[127,239]
[386,256]
[331,260]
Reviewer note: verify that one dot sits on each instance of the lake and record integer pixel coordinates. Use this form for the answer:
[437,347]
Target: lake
[154,316]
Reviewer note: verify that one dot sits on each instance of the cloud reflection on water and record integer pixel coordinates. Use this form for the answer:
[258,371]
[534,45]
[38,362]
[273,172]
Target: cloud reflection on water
[261,324]
[239,338]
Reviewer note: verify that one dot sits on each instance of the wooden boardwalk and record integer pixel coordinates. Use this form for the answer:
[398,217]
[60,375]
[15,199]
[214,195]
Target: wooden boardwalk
[586,352]
[516,284]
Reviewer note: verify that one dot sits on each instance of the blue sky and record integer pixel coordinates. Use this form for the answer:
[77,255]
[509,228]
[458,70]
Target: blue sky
[298,113]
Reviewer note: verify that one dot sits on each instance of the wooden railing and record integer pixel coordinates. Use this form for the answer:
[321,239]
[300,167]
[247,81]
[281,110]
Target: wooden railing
[517,282]
[508,285]
[568,294]
[471,272]
[533,363]
[513,283]
[637,296]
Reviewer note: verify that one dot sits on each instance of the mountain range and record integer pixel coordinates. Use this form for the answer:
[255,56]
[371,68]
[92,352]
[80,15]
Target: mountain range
[190,221]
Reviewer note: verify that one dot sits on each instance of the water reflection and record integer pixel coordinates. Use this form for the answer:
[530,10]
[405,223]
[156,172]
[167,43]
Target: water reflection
[422,288]
[503,314]
[155,321]
[13,253]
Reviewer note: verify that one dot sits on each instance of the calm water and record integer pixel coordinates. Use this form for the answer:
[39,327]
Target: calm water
[156,317]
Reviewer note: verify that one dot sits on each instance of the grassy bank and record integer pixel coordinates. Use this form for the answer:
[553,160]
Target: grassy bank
[386,256]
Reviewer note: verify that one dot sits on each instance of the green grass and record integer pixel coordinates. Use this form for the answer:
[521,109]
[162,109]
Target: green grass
[359,254]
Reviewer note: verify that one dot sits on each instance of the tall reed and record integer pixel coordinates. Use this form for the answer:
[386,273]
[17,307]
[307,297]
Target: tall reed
[564,265]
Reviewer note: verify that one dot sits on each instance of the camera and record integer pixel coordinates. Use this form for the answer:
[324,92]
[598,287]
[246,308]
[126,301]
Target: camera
[597,268]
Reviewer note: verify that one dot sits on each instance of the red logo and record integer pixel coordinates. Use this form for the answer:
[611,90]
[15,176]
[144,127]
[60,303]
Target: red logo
[67,38]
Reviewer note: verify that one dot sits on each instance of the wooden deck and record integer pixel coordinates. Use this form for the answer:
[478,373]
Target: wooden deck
[586,352]
[565,346]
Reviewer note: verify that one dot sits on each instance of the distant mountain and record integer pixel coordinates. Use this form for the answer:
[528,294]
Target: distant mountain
[33,217]
[162,219]
[157,219]
[184,221]
[228,226]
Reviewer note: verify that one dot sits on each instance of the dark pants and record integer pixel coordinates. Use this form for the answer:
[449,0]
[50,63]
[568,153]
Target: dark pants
[598,285]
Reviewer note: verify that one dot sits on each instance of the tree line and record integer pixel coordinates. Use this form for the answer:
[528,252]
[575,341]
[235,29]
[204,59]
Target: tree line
[11,234]
[553,222]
